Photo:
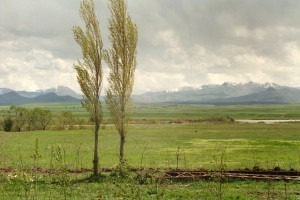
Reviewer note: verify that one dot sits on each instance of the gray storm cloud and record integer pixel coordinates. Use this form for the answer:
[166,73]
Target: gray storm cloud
[181,42]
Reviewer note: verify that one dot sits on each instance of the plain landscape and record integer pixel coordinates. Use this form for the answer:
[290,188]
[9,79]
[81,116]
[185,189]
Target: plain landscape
[150,100]
[57,163]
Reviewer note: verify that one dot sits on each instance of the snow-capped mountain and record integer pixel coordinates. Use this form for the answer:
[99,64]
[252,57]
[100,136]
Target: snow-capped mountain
[224,93]
[250,84]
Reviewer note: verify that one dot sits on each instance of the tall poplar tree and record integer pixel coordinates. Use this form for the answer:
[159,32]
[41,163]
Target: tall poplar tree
[89,69]
[121,59]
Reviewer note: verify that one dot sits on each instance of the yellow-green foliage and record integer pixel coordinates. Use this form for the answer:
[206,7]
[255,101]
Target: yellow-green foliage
[121,59]
[89,69]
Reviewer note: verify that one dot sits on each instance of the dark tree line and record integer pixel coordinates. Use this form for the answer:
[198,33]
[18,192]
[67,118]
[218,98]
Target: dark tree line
[21,119]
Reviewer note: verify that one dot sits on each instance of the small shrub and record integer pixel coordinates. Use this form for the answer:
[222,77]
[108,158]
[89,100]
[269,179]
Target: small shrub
[8,124]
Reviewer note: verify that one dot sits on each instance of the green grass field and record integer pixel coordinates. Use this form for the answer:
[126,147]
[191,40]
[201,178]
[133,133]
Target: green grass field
[200,146]
[244,145]
[196,145]
[173,111]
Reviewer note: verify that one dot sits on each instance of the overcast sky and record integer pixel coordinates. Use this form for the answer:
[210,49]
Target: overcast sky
[181,42]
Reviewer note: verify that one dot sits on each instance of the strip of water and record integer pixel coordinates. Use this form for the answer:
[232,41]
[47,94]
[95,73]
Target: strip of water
[254,121]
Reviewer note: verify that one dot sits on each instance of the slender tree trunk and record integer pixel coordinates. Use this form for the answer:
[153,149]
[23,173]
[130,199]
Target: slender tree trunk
[122,136]
[96,159]
[122,143]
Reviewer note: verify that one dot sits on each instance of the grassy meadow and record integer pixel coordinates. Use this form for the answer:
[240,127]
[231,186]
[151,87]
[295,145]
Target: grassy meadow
[198,145]
[154,140]
[173,111]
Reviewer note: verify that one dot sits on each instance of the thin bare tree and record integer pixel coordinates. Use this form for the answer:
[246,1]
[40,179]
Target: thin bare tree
[121,59]
[89,69]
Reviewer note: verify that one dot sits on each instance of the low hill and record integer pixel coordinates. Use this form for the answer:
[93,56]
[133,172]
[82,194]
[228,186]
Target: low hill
[13,98]
[5,90]
[53,98]
[59,91]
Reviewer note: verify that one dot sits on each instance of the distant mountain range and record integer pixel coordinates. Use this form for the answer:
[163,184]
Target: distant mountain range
[59,94]
[59,91]
[224,94]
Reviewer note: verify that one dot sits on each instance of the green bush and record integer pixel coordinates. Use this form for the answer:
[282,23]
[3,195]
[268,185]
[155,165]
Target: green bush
[8,124]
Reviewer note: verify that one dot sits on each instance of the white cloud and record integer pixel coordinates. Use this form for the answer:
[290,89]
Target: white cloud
[186,44]
[28,68]
[292,50]
[243,32]
[219,78]
[154,81]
